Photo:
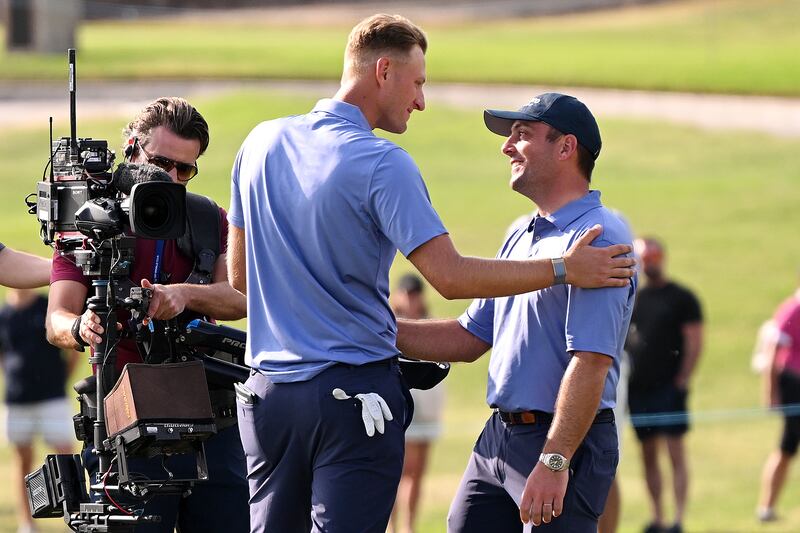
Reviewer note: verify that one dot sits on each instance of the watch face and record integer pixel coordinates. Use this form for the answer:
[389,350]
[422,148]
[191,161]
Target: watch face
[555,462]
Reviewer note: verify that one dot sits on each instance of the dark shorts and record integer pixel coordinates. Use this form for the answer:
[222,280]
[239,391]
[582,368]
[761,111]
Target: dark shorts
[660,411]
[219,504]
[789,388]
[311,465]
[488,497]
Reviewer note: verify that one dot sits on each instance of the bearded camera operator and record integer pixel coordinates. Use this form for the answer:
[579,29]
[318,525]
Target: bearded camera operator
[171,134]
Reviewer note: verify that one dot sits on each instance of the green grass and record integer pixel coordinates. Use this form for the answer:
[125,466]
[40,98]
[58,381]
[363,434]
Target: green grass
[731,46]
[725,203]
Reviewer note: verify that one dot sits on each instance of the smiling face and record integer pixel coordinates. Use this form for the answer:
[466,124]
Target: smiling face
[401,78]
[532,156]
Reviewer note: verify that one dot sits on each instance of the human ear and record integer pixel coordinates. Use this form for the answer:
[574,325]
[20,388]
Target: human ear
[568,146]
[382,70]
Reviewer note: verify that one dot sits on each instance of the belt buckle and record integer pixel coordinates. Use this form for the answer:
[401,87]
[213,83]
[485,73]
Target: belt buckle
[519,418]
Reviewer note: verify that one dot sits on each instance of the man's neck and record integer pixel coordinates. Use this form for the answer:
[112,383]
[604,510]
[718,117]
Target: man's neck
[353,93]
[563,193]
[658,282]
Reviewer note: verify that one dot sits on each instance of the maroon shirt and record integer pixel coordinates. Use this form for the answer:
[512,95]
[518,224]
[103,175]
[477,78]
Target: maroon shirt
[175,265]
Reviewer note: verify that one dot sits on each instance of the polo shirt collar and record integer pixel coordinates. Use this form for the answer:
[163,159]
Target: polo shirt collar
[574,210]
[343,110]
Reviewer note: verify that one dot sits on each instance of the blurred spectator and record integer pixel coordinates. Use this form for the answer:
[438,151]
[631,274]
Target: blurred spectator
[782,388]
[764,350]
[408,301]
[35,377]
[664,342]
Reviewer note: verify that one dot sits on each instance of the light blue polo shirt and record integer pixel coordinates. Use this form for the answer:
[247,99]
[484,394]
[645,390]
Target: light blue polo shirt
[533,334]
[325,205]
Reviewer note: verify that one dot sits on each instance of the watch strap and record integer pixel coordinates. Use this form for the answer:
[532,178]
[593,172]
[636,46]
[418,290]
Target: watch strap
[554,461]
[559,271]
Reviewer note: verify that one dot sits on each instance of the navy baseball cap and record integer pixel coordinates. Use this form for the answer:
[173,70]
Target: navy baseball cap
[565,113]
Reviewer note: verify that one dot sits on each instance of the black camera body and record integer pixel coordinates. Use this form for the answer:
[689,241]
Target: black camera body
[83,199]
[79,173]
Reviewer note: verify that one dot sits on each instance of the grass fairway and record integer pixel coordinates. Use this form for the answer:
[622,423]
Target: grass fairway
[732,46]
[726,205]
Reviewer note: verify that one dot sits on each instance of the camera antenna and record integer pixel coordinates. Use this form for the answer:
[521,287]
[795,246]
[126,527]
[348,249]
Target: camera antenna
[52,152]
[73,127]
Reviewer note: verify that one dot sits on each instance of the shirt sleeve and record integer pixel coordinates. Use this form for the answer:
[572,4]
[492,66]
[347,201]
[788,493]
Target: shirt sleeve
[64,268]
[598,318]
[785,327]
[223,231]
[692,312]
[400,205]
[478,319]
[235,213]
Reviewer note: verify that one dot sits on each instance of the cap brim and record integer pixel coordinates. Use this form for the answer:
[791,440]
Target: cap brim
[500,122]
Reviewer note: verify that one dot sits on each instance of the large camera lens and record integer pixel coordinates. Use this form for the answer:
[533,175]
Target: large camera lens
[158,210]
[155,213]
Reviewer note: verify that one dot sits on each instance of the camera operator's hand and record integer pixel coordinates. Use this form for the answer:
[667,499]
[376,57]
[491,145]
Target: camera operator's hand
[91,329]
[167,302]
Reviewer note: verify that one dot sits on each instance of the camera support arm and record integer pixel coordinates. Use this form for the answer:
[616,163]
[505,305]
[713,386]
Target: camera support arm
[104,357]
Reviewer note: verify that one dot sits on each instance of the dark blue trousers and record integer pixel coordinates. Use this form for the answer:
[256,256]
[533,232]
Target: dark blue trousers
[503,458]
[311,465]
[219,504]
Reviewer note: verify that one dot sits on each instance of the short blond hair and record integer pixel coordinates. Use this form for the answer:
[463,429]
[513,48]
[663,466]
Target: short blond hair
[378,35]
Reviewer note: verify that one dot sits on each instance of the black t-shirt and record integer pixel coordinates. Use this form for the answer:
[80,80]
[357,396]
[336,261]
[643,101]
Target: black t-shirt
[655,339]
[34,369]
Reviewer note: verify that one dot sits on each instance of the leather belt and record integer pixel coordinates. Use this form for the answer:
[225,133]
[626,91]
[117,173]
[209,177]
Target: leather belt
[388,362]
[541,417]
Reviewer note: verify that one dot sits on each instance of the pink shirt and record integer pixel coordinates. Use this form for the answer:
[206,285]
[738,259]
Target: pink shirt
[787,323]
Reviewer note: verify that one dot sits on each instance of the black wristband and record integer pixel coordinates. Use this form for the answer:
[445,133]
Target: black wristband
[76,334]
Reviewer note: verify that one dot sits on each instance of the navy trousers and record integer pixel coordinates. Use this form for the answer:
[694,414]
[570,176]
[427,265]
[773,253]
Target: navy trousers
[219,504]
[310,464]
[490,492]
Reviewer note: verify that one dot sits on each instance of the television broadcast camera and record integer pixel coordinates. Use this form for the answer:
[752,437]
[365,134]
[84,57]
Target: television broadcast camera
[93,216]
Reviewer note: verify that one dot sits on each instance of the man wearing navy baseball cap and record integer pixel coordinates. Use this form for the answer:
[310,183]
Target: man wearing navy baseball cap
[548,454]
[565,113]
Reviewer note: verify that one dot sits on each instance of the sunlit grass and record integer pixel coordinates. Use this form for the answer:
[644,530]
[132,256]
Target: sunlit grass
[734,46]
[725,204]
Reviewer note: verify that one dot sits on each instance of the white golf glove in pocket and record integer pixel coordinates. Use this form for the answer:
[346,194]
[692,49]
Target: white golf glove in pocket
[374,410]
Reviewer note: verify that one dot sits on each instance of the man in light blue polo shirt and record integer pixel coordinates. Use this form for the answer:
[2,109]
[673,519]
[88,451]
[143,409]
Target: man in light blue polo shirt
[319,207]
[549,452]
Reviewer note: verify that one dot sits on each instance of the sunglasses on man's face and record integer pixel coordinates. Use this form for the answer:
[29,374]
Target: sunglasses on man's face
[185,171]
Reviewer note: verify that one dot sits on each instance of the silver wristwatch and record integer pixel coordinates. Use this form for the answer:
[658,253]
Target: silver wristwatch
[559,271]
[554,461]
